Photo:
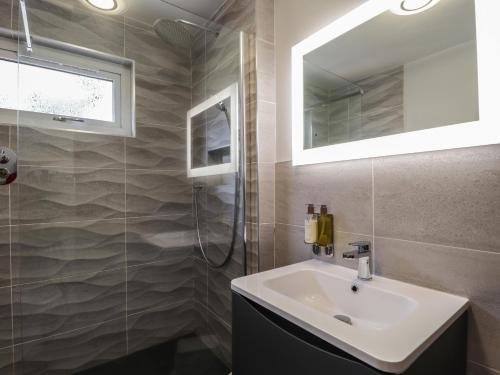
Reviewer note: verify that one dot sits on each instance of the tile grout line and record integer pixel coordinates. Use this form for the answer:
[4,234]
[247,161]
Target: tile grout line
[125,244]
[403,240]
[11,279]
[125,204]
[484,366]
[373,219]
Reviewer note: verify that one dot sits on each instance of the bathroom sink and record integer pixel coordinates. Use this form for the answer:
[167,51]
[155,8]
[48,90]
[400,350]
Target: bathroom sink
[383,322]
[368,307]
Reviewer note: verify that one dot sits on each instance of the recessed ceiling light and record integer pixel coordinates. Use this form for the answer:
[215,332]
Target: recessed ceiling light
[409,7]
[104,4]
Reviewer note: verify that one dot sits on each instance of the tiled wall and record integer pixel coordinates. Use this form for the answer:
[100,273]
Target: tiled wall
[433,220]
[96,234]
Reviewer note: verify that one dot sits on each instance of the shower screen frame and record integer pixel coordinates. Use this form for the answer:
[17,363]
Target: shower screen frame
[230,92]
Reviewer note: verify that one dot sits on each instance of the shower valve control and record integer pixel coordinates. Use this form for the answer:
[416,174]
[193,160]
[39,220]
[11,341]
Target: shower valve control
[8,166]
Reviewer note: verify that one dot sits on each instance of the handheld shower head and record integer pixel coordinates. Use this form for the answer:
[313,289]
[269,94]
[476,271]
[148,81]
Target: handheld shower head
[222,107]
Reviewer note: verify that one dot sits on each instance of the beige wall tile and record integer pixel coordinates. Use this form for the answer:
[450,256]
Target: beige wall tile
[266,87]
[469,273]
[345,187]
[266,247]
[265,19]
[341,241]
[266,193]
[266,123]
[448,197]
[265,57]
[289,245]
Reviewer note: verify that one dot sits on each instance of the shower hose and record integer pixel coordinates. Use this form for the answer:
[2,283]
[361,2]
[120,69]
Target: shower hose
[211,263]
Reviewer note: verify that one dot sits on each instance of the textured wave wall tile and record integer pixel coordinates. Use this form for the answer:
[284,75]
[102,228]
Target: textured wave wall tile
[159,147]
[6,361]
[6,14]
[152,239]
[161,102]
[58,306]
[74,351]
[160,325]
[71,24]
[49,251]
[159,284]
[219,293]
[151,193]
[218,336]
[44,195]
[5,317]
[154,58]
[5,205]
[4,256]
[55,148]
[200,276]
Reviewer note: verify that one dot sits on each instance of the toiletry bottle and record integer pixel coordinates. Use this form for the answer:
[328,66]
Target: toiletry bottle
[325,227]
[310,225]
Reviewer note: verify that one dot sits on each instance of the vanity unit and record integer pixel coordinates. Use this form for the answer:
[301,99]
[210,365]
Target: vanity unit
[318,318]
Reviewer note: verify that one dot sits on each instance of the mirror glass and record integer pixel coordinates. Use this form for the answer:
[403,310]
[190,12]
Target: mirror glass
[211,135]
[393,74]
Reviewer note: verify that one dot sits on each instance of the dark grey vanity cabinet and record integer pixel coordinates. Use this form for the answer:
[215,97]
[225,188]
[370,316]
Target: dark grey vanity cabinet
[267,344]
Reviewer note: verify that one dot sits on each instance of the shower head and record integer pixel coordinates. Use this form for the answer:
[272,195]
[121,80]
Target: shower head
[172,32]
[175,32]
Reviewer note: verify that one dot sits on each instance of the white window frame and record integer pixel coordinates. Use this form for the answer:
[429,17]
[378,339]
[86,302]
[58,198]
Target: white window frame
[230,92]
[486,131]
[118,70]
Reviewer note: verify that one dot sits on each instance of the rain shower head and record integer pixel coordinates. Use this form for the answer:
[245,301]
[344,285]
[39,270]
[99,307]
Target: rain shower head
[172,32]
[175,32]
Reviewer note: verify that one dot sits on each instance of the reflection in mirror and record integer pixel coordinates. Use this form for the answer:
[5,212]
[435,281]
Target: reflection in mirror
[393,74]
[211,135]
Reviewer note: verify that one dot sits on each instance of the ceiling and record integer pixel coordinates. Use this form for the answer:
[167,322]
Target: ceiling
[389,40]
[193,10]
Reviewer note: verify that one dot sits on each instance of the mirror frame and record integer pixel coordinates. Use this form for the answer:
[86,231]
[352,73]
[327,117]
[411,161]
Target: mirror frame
[483,132]
[229,92]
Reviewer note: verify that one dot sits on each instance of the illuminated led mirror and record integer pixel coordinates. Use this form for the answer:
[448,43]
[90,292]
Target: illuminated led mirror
[384,80]
[212,135]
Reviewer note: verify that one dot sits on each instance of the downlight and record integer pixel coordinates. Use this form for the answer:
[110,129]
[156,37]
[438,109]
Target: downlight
[409,7]
[106,6]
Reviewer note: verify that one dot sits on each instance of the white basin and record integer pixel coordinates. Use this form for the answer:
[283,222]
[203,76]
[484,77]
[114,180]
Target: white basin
[392,322]
[370,307]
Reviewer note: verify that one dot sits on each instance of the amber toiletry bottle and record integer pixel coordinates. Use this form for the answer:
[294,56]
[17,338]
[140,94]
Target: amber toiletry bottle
[325,227]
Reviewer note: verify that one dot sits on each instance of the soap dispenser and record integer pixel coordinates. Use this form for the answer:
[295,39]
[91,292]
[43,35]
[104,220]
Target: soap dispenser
[310,225]
[325,227]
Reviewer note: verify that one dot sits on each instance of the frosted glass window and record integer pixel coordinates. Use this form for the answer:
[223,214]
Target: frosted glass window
[50,91]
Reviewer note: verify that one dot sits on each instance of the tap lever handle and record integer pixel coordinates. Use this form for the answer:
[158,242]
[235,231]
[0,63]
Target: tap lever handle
[363,246]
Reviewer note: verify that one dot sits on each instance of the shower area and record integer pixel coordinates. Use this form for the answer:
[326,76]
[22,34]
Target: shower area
[123,222]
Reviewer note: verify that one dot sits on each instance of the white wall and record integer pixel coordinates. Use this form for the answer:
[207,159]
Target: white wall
[441,89]
[294,21]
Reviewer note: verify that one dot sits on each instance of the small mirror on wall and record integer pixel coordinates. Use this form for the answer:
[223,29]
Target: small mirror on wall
[212,134]
[389,79]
